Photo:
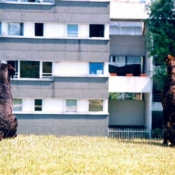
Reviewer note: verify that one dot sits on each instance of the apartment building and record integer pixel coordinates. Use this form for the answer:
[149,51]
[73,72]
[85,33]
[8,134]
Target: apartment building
[130,68]
[60,49]
[82,66]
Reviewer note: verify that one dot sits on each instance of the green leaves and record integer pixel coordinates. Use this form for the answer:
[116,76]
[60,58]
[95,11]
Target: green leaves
[161,34]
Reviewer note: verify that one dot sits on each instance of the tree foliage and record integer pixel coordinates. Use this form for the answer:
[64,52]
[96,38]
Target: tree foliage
[161,28]
[160,34]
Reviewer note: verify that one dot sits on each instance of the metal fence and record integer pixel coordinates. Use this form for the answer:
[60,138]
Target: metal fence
[128,133]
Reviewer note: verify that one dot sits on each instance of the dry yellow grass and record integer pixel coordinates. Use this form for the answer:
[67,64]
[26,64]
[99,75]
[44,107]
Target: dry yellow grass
[50,155]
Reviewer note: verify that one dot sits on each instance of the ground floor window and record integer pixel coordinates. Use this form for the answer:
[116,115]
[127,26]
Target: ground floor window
[95,105]
[17,104]
[71,105]
[38,105]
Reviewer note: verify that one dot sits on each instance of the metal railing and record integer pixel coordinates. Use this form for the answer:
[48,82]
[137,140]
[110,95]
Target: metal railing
[128,133]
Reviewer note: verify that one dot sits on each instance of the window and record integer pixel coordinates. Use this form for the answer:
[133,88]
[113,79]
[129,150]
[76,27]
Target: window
[71,105]
[0,28]
[46,69]
[96,30]
[14,64]
[17,104]
[96,68]
[72,30]
[32,1]
[38,105]
[121,65]
[39,28]
[29,69]
[95,105]
[126,28]
[15,29]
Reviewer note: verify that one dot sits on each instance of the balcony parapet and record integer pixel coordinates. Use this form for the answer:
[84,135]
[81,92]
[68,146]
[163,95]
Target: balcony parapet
[132,84]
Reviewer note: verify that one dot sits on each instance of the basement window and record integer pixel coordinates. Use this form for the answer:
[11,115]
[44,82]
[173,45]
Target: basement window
[96,30]
[38,105]
[39,29]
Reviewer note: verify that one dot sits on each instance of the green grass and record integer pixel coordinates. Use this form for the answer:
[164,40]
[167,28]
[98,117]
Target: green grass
[41,155]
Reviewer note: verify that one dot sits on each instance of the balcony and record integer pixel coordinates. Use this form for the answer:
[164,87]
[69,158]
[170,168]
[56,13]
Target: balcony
[135,11]
[132,84]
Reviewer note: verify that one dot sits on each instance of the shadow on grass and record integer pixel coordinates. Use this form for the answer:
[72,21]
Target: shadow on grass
[155,142]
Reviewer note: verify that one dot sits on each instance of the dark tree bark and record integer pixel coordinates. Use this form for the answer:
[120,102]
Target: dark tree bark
[8,122]
[168,101]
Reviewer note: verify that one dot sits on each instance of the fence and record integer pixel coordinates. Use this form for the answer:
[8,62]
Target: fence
[128,133]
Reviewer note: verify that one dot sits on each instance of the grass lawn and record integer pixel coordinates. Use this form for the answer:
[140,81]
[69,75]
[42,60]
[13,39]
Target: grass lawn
[41,155]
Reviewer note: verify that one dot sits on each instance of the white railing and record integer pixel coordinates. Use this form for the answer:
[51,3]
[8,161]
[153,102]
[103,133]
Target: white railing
[128,133]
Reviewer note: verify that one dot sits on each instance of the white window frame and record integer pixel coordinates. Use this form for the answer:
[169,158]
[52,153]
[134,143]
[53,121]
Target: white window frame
[41,73]
[0,28]
[97,72]
[15,29]
[17,105]
[72,34]
[36,1]
[72,108]
[36,105]
[96,100]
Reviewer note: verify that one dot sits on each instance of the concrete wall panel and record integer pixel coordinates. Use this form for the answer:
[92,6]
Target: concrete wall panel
[126,112]
[59,125]
[127,45]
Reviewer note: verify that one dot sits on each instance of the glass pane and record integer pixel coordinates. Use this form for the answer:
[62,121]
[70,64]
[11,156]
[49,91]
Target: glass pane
[71,105]
[39,29]
[29,69]
[72,30]
[15,29]
[95,105]
[17,104]
[47,69]
[38,105]
[0,28]
[95,68]
[133,60]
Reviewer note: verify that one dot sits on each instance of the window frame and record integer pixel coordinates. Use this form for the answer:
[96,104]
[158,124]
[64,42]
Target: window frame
[71,108]
[92,107]
[40,108]
[18,104]
[17,65]
[11,31]
[96,30]
[41,26]
[0,28]
[97,71]
[46,74]
[72,34]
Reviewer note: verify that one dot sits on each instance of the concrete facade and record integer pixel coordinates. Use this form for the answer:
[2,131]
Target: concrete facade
[63,52]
